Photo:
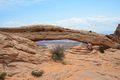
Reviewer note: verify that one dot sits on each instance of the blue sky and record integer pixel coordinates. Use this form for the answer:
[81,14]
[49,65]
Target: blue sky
[101,16]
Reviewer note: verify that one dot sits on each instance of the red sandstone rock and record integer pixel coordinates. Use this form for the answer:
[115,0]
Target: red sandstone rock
[14,48]
[116,35]
[47,32]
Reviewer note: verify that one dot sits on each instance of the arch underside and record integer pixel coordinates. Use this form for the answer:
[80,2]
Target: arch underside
[94,39]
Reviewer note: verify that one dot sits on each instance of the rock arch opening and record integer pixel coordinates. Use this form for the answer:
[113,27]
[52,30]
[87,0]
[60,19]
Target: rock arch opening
[67,43]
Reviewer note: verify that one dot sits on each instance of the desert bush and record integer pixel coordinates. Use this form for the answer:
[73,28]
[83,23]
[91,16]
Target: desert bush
[90,31]
[37,73]
[2,75]
[101,49]
[118,46]
[57,52]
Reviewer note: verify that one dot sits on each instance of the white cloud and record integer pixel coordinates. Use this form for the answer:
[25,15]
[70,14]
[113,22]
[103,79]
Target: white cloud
[97,24]
[87,20]
[74,21]
[19,23]
[100,24]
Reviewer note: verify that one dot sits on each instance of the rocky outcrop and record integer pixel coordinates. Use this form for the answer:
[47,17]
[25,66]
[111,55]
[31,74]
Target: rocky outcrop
[37,32]
[18,49]
[117,32]
[116,35]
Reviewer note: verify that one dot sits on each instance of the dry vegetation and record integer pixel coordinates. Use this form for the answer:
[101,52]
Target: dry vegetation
[2,75]
[57,52]
[37,73]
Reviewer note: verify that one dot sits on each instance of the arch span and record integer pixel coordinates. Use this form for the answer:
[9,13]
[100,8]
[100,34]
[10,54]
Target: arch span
[57,33]
[93,38]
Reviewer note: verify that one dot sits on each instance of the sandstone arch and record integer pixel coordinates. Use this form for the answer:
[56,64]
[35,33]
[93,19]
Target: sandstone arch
[49,32]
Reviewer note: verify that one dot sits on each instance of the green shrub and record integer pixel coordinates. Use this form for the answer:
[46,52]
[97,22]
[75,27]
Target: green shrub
[37,73]
[2,75]
[101,49]
[57,52]
[90,31]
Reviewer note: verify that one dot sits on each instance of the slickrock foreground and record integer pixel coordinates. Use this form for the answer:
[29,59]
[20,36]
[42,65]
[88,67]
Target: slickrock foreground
[19,56]
[76,66]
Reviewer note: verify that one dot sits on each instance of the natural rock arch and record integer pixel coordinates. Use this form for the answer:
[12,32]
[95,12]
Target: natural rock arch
[49,32]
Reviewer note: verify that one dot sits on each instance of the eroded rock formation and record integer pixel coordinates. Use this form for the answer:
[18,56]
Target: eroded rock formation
[117,32]
[116,35]
[14,49]
[38,32]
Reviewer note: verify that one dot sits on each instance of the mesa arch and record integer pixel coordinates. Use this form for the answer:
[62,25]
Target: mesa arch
[49,32]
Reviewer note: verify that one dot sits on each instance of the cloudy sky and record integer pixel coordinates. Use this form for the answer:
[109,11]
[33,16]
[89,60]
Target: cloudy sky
[101,16]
